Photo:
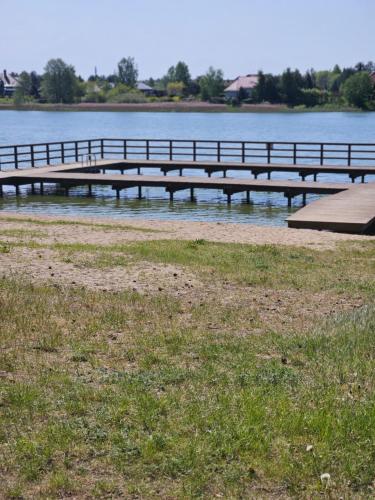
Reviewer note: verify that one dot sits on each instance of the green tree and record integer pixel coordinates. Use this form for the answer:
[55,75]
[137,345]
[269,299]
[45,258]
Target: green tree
[260,89]
[59,82]
[23,89]
[128,72]
[175,88]
[290,89]
[182,73]
[358,89]
[211,84]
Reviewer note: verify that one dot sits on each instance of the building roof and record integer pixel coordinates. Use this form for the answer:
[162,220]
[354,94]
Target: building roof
[9,79]
[246,82]
[143,86]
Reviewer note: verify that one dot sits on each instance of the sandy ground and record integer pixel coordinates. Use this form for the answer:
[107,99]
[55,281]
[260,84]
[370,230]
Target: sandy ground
[131,230]
[46,265]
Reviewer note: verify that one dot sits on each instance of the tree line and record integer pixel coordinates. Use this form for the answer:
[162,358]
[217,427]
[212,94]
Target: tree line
[353,86]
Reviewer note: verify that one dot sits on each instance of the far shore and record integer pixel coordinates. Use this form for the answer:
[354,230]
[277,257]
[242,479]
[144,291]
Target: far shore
[183,106]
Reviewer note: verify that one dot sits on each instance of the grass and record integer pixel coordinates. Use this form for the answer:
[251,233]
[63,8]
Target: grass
[122,394]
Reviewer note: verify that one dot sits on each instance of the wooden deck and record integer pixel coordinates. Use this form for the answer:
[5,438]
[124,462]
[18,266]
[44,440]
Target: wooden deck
[255,168]
[350,211]
[349,208]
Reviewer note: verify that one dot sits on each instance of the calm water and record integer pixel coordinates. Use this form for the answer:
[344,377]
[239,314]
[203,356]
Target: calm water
[269,209]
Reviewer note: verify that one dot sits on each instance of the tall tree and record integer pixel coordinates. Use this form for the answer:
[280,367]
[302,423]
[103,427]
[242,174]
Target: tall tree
[128,71]
[182,73]
[59,82]
[211,84]
[358,89]
[260,89]
[289,87]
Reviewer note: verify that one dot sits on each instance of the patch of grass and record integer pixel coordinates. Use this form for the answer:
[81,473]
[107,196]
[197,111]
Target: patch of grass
[136,395]
[20,233]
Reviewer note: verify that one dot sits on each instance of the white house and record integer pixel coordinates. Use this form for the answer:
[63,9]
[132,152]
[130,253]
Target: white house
[8,83]
[247,83]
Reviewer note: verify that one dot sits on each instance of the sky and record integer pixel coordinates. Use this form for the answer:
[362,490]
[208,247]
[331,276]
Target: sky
[237,36]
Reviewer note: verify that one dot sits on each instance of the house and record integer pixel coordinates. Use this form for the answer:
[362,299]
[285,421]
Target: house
[372,76]
[145,89]
[8,83]
[247,83]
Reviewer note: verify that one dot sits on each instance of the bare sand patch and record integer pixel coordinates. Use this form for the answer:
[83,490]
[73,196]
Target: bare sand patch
[90,231]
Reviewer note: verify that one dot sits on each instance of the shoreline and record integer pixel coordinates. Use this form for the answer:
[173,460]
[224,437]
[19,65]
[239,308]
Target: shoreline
[219,232]
[175,107]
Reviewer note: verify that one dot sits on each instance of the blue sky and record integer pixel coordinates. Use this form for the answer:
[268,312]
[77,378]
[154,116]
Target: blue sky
[239,36]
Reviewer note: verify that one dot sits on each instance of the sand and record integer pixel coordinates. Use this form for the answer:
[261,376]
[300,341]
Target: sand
[125,230]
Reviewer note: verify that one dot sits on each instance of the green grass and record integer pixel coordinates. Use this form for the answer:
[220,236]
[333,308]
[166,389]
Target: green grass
[119,394]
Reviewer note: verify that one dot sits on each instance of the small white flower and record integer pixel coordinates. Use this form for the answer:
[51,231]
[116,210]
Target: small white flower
[309,447]
[325,477]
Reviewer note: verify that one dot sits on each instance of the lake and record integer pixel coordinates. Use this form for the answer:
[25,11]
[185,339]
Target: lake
[19,127]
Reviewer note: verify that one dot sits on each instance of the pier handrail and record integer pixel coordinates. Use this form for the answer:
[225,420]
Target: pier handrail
[198,150]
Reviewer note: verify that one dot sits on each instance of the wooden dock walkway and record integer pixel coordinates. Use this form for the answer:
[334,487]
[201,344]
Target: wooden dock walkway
[349,207]
[256,169]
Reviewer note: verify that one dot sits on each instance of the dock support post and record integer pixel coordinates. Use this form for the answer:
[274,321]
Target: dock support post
[180,171]
[224,174]
[255,175]
[90,190]
[32,188]
[139,170]
[229,198]
[247,196]
[363,179]
[304,199]
[41,188]
[289,200]
[117,193]
[192,195]
[66,191]
[1,191]
[139,192]
[122,171]
[269,175]
[171,193]
[315,177]
[209,173]
[17,190]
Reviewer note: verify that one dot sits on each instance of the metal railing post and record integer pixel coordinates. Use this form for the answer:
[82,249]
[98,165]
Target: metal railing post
[47,154]
[16,156]
[268,152]
[32,155]
[349,155]
[171,150]
[102,148]
[321,154]
[218,151]
[125,149]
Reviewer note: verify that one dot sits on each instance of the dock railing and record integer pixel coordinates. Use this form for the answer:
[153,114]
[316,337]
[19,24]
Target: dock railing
[305,153]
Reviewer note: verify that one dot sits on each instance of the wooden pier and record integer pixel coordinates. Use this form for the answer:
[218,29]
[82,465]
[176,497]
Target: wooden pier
[350,207]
